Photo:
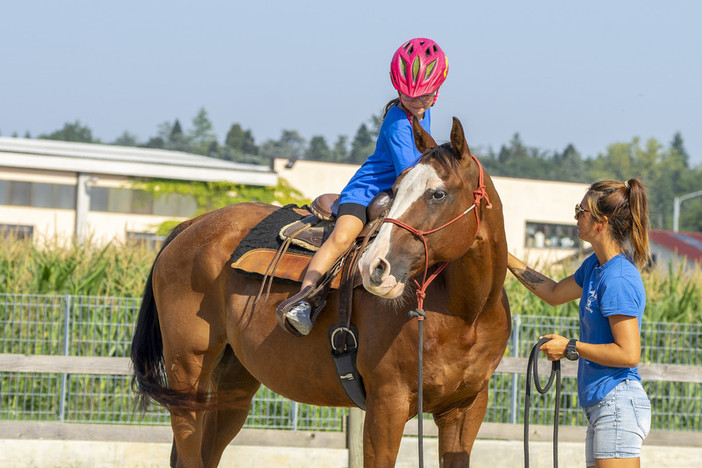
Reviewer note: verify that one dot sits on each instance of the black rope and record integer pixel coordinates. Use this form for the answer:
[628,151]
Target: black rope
[421,315]
[533,368]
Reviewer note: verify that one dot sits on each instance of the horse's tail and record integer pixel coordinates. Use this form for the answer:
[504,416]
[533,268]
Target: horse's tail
[149,379]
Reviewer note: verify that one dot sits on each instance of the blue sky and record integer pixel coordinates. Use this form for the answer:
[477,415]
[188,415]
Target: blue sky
[558,72]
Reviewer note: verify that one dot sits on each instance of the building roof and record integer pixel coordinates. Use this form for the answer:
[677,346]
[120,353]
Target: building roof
[688,244]
[92,158]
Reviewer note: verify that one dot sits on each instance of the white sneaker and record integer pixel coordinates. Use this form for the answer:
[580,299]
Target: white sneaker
[299,317]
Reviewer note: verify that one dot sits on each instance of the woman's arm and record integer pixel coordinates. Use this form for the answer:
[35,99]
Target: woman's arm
[626,349]
[554,293]
[624,352]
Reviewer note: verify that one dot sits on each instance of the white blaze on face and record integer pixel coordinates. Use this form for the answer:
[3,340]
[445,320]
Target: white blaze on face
[413,186]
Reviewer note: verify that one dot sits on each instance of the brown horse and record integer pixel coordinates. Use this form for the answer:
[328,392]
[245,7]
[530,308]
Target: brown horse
[200,331]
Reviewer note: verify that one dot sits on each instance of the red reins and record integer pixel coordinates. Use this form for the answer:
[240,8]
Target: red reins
[478,194]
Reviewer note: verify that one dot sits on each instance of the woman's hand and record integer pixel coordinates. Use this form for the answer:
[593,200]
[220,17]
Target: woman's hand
[554,349]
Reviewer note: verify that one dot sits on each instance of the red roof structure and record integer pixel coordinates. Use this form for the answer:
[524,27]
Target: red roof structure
[687,244]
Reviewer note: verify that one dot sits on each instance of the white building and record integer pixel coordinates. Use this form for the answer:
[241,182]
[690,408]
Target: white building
[58,188]
[54,188]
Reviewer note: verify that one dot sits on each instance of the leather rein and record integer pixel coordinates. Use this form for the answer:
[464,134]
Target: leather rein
[478,194]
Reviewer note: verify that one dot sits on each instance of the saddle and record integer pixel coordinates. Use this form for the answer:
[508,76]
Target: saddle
[281,246]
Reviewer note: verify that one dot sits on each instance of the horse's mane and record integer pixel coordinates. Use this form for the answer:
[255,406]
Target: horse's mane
[445,155]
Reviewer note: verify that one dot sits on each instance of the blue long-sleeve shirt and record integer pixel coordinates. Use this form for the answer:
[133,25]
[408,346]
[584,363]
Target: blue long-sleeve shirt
[394,152]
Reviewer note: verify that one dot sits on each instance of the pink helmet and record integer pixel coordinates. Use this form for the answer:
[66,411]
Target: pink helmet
[418,67]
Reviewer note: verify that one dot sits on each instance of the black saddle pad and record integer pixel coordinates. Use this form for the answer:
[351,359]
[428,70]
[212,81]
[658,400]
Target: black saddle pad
[265,234]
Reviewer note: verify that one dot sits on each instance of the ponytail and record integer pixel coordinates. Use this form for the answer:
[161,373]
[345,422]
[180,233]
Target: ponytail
[625,205]
[638,205]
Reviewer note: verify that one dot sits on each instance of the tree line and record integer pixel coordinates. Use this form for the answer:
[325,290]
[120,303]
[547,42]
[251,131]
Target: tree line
[665,169]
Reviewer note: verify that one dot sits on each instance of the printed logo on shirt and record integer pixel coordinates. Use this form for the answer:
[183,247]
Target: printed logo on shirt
[591,297]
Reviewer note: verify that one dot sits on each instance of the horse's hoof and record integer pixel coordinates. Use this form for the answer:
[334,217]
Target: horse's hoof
[299,317]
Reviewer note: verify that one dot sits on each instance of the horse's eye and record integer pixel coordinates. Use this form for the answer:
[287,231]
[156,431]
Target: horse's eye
[438,195]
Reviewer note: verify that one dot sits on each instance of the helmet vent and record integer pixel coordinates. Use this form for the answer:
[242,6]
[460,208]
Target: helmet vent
[415,69]
[429,70]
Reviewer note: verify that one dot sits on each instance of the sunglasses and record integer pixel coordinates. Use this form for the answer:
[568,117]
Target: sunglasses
[579,209]
[425,98]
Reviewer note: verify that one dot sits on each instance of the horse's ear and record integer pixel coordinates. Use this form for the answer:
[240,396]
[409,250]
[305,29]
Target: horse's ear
[422,140]
[458,139]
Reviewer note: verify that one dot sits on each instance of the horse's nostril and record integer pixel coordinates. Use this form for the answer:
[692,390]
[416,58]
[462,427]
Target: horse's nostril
[378,272]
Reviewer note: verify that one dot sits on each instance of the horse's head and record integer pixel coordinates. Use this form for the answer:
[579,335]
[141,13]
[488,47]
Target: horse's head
[430,220]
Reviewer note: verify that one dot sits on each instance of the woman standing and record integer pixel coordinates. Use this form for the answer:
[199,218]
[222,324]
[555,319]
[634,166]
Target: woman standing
[613,218]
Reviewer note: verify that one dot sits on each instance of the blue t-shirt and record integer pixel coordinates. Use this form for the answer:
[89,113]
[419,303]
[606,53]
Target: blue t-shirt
[394,152]
[614,288]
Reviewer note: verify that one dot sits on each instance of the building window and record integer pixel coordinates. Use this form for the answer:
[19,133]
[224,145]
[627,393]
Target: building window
[551,236]
[4,191]
[53,196]
[99,198]
[105,199]
[175,204]
[39,195]
[124,200]
[20,193]
[16,231]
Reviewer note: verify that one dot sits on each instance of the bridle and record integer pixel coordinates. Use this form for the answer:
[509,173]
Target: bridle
[478,195]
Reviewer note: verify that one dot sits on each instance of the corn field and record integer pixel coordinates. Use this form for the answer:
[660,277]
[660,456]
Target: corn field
[59,267]
[82,300]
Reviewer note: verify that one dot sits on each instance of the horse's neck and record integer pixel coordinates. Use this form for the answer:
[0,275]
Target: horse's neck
[477,277]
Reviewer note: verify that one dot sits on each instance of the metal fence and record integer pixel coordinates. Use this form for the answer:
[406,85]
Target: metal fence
[102,326]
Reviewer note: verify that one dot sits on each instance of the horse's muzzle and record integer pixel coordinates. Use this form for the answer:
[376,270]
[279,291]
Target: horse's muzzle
[377,278]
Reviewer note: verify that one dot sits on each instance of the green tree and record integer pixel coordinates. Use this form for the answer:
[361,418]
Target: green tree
[362,145]
[155,142]
[663,171]
[340,152]
[202,135]
[72,131]
[175,138]
[678,146]
[518,160]
[126,139]
[569,166]
[290,145]
[241,140]
[687,180]
[318,149]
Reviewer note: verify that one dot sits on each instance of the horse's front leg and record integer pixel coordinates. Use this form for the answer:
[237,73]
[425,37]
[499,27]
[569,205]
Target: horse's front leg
[458,428]
[384,424]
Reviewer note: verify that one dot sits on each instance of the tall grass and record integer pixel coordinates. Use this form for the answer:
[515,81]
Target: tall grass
[56,266]
[89,269]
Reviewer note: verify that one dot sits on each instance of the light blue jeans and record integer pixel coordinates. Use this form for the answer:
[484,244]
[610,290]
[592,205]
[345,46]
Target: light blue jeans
[618,424]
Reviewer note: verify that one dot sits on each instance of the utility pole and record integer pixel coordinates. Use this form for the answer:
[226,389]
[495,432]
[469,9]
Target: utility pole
[676,207]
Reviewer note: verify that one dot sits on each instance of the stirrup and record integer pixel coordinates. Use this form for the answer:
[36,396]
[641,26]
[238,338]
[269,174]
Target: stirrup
[308,294]
[299,316]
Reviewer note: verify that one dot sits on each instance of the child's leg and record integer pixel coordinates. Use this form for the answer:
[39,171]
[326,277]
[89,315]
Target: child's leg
[346,230]
[297,311]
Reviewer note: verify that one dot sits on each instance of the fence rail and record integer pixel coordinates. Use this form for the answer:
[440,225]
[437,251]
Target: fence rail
[64,359]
